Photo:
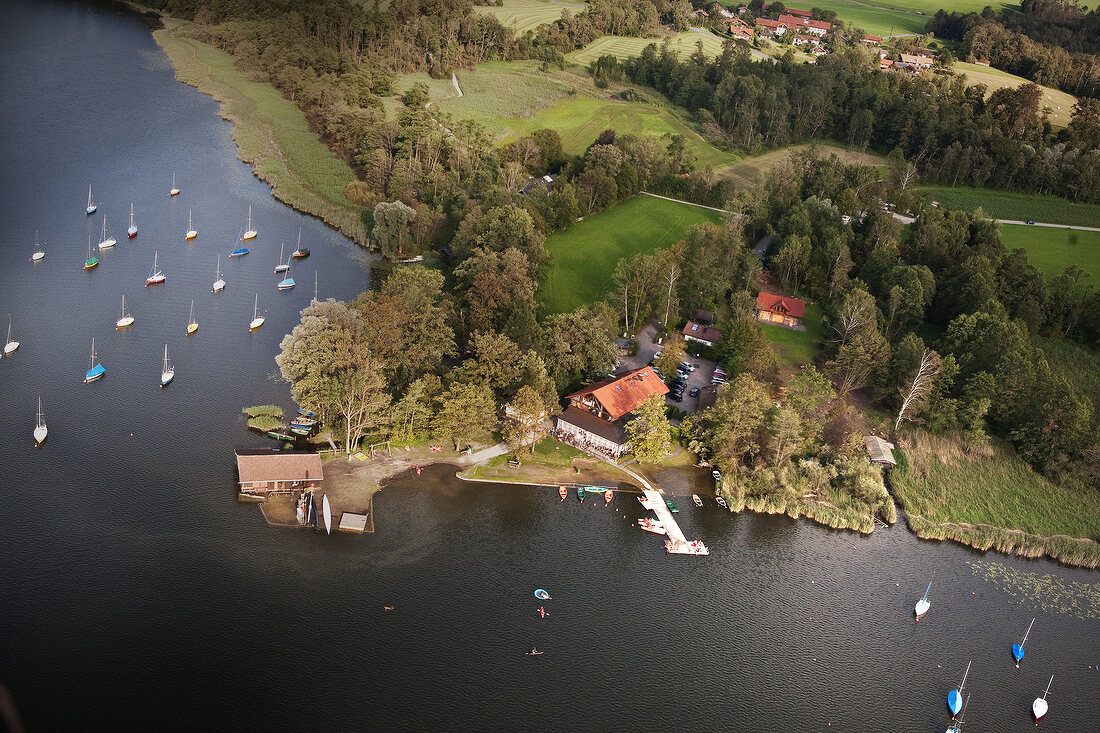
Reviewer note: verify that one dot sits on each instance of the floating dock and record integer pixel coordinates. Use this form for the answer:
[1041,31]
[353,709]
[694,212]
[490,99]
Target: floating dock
[677,543]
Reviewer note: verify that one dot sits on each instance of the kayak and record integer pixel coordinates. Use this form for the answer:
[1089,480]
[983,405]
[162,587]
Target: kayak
[563,492]
[607,496]
[672,507]
[580,494]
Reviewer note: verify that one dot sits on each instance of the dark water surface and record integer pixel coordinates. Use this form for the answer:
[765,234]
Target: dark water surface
[136,591]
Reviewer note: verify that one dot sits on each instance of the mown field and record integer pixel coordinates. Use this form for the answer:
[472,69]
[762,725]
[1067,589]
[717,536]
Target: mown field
[1060,103]
[1053,250]
[271,133]
[749,171]
[622,47]
[797,348]
[512,99]
[585,255]
[1016,206]
[525,15]
[896,17]
[949,480]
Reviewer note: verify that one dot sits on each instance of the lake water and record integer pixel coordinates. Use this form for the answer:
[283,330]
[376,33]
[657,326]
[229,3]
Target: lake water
[137,592]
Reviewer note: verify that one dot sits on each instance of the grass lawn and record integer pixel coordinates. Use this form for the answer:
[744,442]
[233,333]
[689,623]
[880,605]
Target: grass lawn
[524,15]
[513,99]
[585,255]
[991,485]
[1077,363]
[622,47]
[271,133]
[552,464]
[1060,103]
[895,17]
[1053,250]
[750,171]
[796,348]
[1018,206]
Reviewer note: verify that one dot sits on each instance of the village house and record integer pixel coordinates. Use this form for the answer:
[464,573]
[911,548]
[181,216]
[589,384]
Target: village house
[781,310]
[700,14]
[263,471]
[722,10]
[885,64]
[800,40]
[770,28]
[871,40]
[596,418]
[805,25]
[922,62]
[706,335]
[746,34]
[818,51]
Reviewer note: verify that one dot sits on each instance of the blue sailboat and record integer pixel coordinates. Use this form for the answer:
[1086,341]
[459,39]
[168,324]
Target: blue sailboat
[1018,649]
[955,697]
[95,371]
[287,282]
[240,251]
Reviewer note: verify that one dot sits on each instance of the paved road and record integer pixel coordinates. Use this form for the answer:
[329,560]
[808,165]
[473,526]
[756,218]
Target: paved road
[909,220]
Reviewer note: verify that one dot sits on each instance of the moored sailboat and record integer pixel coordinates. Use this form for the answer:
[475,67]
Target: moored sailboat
[219,284]
[124,318]
[282,266]
[91,207]
[1018,649]
[257,319]
[38,253]
[956,725]
[95,371]
[132,231]
[167,373]
[955,698]
[1039,707]
[249,232]
[106,241]
[39,426]
[156,277]
[239,251]
[287,282]
[173,191]
[191,233]
[923,604]
[300,251]
[192,324]
[10,345]
[91,261]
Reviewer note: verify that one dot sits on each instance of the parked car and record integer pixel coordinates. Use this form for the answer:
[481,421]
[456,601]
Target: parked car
[693,392]
[688,367]
[676,397]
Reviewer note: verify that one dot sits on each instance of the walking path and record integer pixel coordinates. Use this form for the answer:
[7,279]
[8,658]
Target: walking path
[909,220]
[454,80]
[681,201]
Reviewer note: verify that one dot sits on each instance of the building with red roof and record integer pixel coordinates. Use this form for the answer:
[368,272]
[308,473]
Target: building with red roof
[708,335]
[805,25]
[596,418]
[768,27]
[781,310]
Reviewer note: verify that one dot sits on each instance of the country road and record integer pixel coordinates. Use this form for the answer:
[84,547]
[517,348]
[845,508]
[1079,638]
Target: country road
[909,220]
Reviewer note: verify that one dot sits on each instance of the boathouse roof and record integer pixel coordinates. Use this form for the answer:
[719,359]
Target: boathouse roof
[879,451]
[261,465]
[616,397]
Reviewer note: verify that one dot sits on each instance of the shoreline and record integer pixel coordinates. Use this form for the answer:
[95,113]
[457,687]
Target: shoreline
[271,133]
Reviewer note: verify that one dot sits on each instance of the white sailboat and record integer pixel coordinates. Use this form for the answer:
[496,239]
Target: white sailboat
[132,231]
[91,207]
[10,346]
[327,510]
[192,324]
[1039,707]
[249,232]
[282,266]
[191,233]
[257,319]
[124,318]
[219,284]
[38,252]
[156,276]
[39,426]
[167,373]
[174,191]
[106,240]
[923,604]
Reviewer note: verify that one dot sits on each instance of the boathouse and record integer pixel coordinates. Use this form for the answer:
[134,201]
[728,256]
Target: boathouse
[263,471]
[597,415]
[879,451]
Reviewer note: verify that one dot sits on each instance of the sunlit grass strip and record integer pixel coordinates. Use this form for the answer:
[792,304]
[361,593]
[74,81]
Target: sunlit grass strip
[263,423]
[268,410]
[750,171]
[271,133]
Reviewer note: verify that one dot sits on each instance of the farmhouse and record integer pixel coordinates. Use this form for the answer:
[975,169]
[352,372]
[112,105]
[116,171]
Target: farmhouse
[800,40]
[707,335]
[781,310]
[871,40]
[816,27]
[924,62]
[263,471]
[597,415]
[879,451]
[743,33]
[768,28]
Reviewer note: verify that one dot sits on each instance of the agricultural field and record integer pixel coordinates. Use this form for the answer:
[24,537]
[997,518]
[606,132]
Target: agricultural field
[797,348]
[748,172]
[1060,103]
[1016,206]
[1053,250]
[585,255]
[524,15]
[512,99]
[623,47]
[896,17]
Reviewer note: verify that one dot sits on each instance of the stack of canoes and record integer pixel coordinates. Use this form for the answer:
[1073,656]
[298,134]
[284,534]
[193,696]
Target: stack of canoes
[303,426]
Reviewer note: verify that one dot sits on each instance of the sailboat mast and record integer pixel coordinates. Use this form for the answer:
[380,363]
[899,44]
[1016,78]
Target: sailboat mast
[1027,632]
[314,286]
[963,683]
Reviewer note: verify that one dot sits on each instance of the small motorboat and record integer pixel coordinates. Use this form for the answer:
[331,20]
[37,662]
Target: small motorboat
[580,494]
[563,492]
[697,500]
[534,652]
[722,502]
[608,496]
[649,525]
[672,507]
[541,594]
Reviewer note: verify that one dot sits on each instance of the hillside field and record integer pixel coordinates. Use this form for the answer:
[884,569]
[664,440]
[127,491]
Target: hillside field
[1060,103]
[896,17]
[621,47]
[749,171]
[585,255]
[524,15]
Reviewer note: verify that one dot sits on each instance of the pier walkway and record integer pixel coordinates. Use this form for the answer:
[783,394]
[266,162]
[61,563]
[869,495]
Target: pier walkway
[677,543]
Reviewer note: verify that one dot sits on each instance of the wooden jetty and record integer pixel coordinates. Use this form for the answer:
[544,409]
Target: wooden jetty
[677,543]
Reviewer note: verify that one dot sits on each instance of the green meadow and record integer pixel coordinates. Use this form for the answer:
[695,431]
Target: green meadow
[623,47]
[1017,206]
[896,17]
[1053,250]
[1059,103]
[524,15]
[797,348]
[585,255]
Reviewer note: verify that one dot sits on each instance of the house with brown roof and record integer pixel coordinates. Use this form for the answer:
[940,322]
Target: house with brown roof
[262,471]
[707,335]
[924,62]
[746,34]
[768,27]
[781,310]
[597,415]
[805,25]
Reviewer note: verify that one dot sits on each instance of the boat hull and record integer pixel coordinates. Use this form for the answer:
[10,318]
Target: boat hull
[191,234]
[90,210]
[1017,652]
[954,702]
[286,284]
[90,264]
[219,286]
[94,374]
[239,252]
[1039,708]
[299,253]
[40,435]
[921,608]
[107,243]
[256,323]
[250,234]
[10,347]
[327,509]
[191,328]
[167,377]
[124,322]
[37,256]
[154,280]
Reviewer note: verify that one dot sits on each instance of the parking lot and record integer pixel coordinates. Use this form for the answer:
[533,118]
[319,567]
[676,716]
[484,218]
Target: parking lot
[697,379]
